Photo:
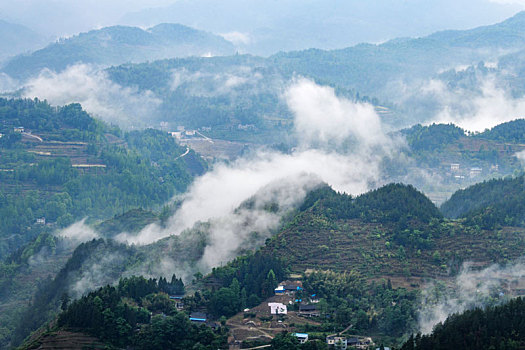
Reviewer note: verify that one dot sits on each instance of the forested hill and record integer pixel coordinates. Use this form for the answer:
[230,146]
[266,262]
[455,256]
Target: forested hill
[499,327]
[117,45]
[513,131]
[392,203]
[369,68]
[392,231]
[495,202]
[59,165]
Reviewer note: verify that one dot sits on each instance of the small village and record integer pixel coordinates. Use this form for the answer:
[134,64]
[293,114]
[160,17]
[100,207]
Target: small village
[289,310]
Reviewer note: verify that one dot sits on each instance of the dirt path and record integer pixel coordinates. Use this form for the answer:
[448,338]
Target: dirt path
[32,136]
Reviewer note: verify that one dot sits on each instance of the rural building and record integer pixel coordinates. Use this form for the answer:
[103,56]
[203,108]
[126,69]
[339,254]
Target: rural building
[278,309]
[246,127]
[475,171]
[19,129]
[198,317]
[334,341]
[179,304]
[41,221]
[454,166]
[176,134]
[308,310]
[279,290]
[303,337]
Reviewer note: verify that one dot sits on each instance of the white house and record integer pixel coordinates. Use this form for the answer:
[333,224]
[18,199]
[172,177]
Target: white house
[340,342]
[278,309]
[303,337]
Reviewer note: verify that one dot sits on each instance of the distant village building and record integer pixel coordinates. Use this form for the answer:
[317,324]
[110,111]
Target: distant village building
[302,337]
[279,290]
[334,341]
[278,309]
[19,129]
[164,126]
[288,289]
[176,134]
[475,171]
[314,299]
[454,166]
[179,303]
[198,317]
[190,132]
[1,135]
[206,128]
[308,310]
[246,127]
[41,221]
[494,167]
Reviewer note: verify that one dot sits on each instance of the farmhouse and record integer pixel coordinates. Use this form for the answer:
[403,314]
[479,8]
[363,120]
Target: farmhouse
[340,342]
[198,317]
[308,310]
[303,337]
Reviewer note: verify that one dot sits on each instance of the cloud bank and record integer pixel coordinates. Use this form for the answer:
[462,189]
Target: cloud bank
[98,95]
[341,143]
[78,232]
[492,106]
[470,289]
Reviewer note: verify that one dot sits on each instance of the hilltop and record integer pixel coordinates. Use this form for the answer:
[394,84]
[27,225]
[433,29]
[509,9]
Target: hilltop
[497,202]
[117,45]
[404,237]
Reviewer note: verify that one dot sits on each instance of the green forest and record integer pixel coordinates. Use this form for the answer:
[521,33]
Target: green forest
[140,169]
[498,327]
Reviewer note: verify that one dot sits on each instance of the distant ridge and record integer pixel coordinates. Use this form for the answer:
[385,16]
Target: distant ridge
[120,44]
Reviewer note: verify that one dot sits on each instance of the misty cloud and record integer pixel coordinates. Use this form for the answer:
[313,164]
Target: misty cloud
[78,232]
[471,99]
[94,274]
[492,106]
[471,288]
[233,81]
[7,83]
[272,177]
[323,119]
[237,38]
[98,95]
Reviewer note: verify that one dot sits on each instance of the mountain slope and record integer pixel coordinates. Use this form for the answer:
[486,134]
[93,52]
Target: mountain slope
[494,202]
[117,45]
[327,235]
[370,68]
[16,39]
[499,327]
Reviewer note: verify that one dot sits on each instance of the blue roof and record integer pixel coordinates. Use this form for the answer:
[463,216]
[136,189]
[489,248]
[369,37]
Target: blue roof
[302,335]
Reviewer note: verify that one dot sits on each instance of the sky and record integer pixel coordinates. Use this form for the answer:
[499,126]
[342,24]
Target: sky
[258,25]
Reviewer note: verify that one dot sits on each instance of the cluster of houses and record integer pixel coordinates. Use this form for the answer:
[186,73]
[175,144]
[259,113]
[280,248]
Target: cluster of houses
[460,173]
[184,133]
[340,342]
